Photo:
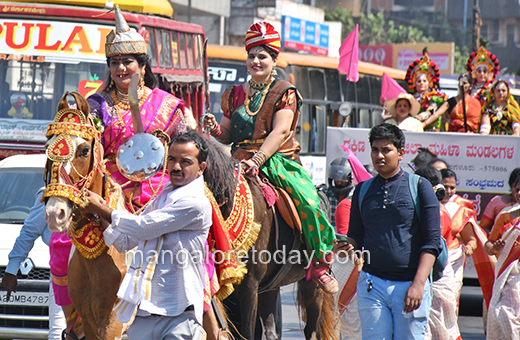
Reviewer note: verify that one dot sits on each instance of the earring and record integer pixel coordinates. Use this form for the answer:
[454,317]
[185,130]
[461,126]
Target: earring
[274,72]
[111,82]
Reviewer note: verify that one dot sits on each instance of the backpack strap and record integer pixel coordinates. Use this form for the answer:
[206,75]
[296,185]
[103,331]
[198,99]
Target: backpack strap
[413,184]
[363,190]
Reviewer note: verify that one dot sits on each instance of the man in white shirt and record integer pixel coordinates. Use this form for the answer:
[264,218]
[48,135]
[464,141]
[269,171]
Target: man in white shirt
[168,287]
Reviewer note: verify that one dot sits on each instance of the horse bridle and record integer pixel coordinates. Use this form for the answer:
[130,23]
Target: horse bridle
[70,122]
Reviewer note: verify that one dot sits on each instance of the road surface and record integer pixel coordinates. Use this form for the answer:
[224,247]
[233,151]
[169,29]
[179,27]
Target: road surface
[471,327]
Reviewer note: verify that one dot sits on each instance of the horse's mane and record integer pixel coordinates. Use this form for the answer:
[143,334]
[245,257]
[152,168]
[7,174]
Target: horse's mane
[220,174]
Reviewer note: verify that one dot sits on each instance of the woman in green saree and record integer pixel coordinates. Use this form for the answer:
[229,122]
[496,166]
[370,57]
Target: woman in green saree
[260,118]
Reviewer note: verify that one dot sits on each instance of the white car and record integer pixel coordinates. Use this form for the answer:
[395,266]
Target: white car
[25,315]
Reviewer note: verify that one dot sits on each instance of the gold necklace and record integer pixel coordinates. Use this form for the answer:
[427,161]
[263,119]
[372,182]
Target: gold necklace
[263,94]
[260,86]
[121,103]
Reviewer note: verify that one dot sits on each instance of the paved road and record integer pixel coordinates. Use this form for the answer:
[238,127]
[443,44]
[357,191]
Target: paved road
[471,327]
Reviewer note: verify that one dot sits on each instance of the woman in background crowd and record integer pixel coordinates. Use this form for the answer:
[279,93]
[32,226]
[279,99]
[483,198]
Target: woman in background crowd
[499,202]
[442,322]
[483,66]
[403,109]
[500,112]
[462,118]
[423,82]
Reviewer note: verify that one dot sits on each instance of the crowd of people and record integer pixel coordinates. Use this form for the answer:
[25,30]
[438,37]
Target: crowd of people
[483,105]
[399,227]
[402,220]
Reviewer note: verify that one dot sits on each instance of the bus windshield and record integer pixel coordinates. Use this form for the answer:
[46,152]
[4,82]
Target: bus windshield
[40,60]
[222,75]
[48,51]
[31,88]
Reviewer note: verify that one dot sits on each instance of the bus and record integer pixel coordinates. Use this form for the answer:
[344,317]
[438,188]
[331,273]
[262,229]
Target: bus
[48,47]
[328,98]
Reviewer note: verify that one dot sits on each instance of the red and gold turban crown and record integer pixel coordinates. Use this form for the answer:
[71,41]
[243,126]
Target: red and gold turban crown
[483,58]
[263,33]
[424,66]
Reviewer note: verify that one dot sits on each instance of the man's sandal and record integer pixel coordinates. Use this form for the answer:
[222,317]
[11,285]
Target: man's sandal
[326,282]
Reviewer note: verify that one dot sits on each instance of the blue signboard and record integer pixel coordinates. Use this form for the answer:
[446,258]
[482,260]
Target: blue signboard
[305,35]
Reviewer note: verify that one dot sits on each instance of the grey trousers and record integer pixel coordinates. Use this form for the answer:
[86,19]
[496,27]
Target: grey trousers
[157,327]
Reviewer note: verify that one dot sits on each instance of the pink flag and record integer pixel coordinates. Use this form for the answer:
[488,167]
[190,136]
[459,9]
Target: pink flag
[359,171]
[349,56]
[390,88]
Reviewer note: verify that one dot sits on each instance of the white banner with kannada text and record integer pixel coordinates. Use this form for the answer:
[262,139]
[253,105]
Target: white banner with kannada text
[482,163]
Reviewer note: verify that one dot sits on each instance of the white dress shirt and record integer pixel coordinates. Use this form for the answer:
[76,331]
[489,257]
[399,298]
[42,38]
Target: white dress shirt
[183,218]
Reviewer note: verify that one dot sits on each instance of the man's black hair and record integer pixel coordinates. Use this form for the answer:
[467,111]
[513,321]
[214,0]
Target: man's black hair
[436,159]
[434,177]
[430,173]
[387,132]
[514,177]
[193,136]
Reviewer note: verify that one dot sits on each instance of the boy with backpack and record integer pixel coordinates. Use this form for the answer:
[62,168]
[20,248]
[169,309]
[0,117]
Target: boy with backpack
[394,294]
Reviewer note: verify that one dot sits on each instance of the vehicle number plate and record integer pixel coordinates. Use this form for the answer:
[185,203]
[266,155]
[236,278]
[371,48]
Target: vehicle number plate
[25,299]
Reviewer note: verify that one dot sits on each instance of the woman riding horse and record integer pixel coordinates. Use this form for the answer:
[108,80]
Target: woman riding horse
[159,109]
[260,119]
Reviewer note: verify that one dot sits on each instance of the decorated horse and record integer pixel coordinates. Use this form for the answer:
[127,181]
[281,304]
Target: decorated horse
[95,271]
[256,229]
[75,164]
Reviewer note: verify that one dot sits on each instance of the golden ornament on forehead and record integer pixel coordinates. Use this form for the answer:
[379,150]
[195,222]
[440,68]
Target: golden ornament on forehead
[72,122]
[61,149]
[482,58]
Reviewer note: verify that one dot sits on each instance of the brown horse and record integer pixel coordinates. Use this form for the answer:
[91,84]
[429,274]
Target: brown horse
[254,301]
[74,165]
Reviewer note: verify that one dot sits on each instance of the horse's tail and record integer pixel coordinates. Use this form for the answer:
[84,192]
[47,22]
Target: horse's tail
[329,317]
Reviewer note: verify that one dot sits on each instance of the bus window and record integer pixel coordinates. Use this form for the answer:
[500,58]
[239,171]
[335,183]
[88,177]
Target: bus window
[348,89]
[312,128]
[317,82]
[363,118]
[36,84]
[375,89]
[198,51]
[301,80]
[189,51]
[160,50]
[175,50]
[167,49]
[333,87]
[303,131]
[363,89]
[152,51]
[182,50]
[221,76]
[319,129]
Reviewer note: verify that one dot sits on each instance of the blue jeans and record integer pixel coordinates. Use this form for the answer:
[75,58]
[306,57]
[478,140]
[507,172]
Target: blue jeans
[381,309]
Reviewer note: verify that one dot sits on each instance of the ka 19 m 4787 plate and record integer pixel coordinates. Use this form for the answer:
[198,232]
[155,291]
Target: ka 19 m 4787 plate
[25,299]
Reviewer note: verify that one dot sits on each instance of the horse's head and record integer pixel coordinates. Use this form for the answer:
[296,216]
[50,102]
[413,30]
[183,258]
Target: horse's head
[74,155]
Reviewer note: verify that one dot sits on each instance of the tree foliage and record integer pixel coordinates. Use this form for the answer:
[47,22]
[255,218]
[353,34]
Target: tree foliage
[374,29]
[415,27]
